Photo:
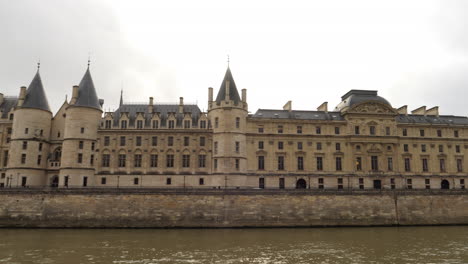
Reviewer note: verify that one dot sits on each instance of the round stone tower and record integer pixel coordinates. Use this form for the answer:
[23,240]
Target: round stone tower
[80,136]
[228,117]
[29,147]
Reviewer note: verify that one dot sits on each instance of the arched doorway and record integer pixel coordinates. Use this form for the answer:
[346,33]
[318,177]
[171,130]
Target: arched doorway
[444,184]
[301,184]
[54,182]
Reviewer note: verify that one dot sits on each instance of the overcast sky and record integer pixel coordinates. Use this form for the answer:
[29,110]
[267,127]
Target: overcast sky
[412,52]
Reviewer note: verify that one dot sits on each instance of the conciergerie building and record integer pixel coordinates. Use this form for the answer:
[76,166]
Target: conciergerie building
[363,143]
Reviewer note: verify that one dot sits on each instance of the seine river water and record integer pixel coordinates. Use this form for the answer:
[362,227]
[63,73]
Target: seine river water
[295,245]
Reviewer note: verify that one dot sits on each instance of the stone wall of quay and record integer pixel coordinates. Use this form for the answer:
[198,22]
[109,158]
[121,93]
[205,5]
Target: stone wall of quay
[228,208]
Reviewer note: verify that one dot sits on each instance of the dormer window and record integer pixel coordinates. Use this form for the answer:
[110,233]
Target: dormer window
[155,124]
[203,124]
[108,124]
[139,124]
[171,124]
[123,124]
[186,123]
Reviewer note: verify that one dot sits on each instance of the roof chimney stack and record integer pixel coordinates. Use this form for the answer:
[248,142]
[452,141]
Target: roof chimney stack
[181,105]
[403,110]
[419,111]
[323,107]
[22,96]
[74,94]
[434,111]
[150,105]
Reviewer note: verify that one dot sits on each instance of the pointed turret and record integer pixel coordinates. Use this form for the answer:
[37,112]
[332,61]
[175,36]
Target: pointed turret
[228,89]
[121,98]
[87,93]
[35,95]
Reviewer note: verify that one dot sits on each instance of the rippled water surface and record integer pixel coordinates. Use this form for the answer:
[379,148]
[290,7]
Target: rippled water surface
[302,245]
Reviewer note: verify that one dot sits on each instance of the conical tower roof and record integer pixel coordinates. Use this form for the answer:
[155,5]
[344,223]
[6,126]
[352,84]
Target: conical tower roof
[87,93]
[35,95]
[233,93]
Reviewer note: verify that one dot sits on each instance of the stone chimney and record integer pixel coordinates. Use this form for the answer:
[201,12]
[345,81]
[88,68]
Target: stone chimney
[288,106]
[74,94]
[419,111]
[323,107]
[22,96]
[244,95]
[181,105]
[434,111]
[210,94]
[403,110]
[150,105]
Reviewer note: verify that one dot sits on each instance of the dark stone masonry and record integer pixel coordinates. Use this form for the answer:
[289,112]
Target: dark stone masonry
[130,208]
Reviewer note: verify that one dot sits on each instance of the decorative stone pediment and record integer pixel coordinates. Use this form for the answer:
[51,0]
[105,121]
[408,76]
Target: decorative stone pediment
[372,108]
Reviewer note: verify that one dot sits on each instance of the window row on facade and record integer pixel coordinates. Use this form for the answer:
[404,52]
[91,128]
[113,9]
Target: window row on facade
[155,124]
[154,141]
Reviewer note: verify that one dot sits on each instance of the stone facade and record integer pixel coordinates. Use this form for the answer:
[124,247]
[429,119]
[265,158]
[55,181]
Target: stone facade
[229,208]
[364,143]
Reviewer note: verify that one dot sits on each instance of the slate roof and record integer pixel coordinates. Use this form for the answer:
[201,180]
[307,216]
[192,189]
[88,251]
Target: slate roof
[442,120]
[297,114]
[7,105]
[87,93]
[357,96]
[233,93]
[35,95]
[321,115]
[162,109]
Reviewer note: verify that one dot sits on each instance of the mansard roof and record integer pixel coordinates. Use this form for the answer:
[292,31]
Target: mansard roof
[336,116]
[162,109]
[87,95]
[35,95]
[354,97]
[7,105]
[233,93]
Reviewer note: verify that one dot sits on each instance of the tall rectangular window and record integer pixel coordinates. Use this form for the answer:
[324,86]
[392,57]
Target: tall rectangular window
[260,145]
[170,141]
[153,160]
[455,133]
[338,163]
[374,163]
[185,161]
[139,124]
[237,146]
[337,130]
[137,161]
[457,148]
[155,124]
[80,158]
[170,161]
[93,145]
[138,141]
[356,130]
[372,130]
[202,141]
[186,123]
[421,132]
[201,161]
[423,147]
[338,146]
[108,124]
[237,122]
[442,165]
[319,146]
[80,144]
[280,129]
[5,158]
[405,147]
[186,141]
[40,146]
[390,164]
[441,148]
[23,158]
[300,163]
[215,147]
[387,131]
[91,159]
[122,160]
[439,133]
[358,163]
[299,145]
[106,141]
[407,165]
[425,167]
[105,160]
[280,145]
[405,132]
[280,162]
[237,164]
[39,159]
[459,165]
[261,162]
[123,124]
[281,183]
[154,141]
[25,145]
[85,181]
[216,122]
[203,124]
[171,123]
[319,163]
[261,183]
[122,141]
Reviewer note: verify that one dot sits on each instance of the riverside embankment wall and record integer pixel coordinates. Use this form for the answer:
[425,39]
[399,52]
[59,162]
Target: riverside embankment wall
[229,208]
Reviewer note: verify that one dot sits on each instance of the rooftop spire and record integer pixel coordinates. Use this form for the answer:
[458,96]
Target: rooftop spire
[228,85]
[35,94]
[87,93]
[121,97]
[228,60]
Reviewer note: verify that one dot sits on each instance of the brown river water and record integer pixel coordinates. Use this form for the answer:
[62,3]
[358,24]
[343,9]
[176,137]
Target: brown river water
[295,245]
